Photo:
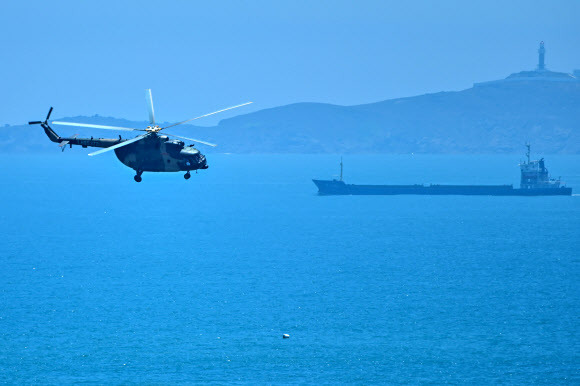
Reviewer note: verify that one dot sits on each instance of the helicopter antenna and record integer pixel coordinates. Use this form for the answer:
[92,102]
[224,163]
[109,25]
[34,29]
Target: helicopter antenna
[341,168]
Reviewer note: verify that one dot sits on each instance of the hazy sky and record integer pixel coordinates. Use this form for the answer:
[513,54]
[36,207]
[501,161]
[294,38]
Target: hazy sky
[98,57]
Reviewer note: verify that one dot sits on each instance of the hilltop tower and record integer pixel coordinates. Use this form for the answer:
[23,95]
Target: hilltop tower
[539,74]
[541,54]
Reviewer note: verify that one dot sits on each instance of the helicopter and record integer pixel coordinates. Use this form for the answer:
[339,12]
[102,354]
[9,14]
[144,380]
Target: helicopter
[152,151]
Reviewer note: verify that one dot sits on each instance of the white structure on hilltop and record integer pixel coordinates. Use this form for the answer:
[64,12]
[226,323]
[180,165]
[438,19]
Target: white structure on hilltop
[539,74]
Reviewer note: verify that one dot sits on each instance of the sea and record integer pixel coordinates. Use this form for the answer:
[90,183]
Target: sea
[173,281]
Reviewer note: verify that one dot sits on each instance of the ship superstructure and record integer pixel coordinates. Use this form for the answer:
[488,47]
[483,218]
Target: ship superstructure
[535,175]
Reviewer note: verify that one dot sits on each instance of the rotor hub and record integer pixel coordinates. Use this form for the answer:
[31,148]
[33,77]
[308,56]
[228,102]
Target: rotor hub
[153,129]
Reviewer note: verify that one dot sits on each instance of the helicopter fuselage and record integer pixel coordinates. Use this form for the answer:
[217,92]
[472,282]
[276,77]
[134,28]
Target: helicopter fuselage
[154,153]
[158,153]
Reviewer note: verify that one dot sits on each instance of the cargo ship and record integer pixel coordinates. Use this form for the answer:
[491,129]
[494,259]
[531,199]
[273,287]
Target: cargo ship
[535,181]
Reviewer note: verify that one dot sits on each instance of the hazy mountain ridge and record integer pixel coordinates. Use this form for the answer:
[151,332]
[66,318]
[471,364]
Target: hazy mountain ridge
[484,119]
[492,118]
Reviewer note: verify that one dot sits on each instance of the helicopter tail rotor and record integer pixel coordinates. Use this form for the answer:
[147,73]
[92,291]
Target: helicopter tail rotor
[45,121]
[47,129]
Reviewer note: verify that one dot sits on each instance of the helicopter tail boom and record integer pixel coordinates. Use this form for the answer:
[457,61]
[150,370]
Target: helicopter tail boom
[84,142]
[74,140]
[50,133]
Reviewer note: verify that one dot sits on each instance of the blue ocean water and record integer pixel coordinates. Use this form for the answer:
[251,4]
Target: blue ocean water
[174,281]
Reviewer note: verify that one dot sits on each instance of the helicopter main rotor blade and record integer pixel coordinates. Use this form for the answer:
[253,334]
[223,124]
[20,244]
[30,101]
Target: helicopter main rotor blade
[149,98]
[35,123]
[96,126]
[206,115]
[191,139]
[124,143]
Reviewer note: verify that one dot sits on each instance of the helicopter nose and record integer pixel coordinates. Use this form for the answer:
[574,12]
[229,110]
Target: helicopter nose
[199,162]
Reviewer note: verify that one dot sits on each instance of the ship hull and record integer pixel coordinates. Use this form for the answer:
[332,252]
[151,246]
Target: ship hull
[334,187]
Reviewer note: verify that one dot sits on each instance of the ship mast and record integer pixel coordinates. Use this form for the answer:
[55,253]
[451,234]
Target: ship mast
[528,152]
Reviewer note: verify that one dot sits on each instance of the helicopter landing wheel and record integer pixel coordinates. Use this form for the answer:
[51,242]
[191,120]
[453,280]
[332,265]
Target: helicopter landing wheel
[187,176]
[137,177]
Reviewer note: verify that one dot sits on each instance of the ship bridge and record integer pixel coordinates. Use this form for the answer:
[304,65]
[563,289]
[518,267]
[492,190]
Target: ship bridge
[534,174]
